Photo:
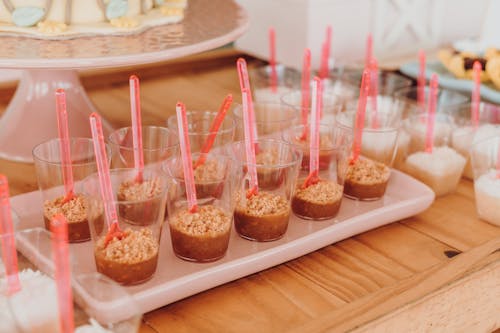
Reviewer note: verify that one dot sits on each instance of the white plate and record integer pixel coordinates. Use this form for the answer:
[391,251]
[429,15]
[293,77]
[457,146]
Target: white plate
[176,279]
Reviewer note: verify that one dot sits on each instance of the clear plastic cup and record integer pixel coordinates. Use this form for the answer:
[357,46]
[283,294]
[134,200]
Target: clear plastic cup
[346,91]
[331,105]
[465,134]
[288,79]
[406,98]
[48,167]
[442,169]
[141,209]
[486,167]
[321,200]
[271,119]
[367,177]
[264,216]
[388,83]
[203,236]
[158,144]
[199,124]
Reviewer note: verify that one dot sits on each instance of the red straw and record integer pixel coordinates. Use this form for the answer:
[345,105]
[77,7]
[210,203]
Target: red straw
[476,97]
[325,53]
[214,128]
[369,50]
[104,178]
[64,149]
[306,94]
[272,59]
[249,144]
[359,122]
[60,254]
[316,106]
[245,85]
[374,91]
[9,254]
[431,116]
[182,125]
[421,81]
[135,108]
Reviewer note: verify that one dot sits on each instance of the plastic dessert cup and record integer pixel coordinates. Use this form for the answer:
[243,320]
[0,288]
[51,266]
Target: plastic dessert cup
[440,169]
[48,166]
[159,143]
[331,105]
[287,79]
[406,98]
[133,258]
[264,216]
[484,156]
[199,123]
[271,119]
[388,83]
[465,134]
[321,200]
[203,235]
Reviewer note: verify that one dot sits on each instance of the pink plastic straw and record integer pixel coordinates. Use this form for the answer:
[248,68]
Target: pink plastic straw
[272,59]
[476,94]
[421,81]
[359,122]
[60,254]
[62,127]
[187,164]
[135,108]
[325,53]
[431,116]
[369,50]
[214,128]
[306,94]
[103,170]
[374,91]
[245,84]
[249,143]
[9,254]
[314,139]
[498,163]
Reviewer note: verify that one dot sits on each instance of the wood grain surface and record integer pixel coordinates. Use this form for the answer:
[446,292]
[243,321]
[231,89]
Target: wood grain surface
[438,271]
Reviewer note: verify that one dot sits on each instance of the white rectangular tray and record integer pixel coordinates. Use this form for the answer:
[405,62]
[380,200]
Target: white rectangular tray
[176,279]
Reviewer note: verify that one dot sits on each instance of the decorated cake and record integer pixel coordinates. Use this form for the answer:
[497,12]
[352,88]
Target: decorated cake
[56,19]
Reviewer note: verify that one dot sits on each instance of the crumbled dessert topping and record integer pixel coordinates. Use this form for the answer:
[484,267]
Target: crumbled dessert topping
[124,22]
[208,220]
[52,27]
[323,192]
[263,203]
[73,210]
[135,246]
[267,157]
[134,191]
[367,171]
[208,172]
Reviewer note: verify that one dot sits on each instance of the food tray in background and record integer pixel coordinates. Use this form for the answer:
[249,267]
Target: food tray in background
[176,279]
[449,81]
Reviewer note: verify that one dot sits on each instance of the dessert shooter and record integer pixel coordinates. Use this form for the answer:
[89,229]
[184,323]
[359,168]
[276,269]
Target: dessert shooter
[486,166]
[49,170]
[263,214]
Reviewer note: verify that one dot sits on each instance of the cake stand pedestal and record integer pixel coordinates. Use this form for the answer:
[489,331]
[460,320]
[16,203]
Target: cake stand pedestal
[30,117]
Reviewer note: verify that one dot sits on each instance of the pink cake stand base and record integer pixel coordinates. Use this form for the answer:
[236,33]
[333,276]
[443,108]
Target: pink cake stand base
[30,117]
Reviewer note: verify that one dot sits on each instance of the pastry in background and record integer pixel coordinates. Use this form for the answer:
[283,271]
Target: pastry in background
[461,63]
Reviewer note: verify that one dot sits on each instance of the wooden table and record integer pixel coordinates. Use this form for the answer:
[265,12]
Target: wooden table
[438,271]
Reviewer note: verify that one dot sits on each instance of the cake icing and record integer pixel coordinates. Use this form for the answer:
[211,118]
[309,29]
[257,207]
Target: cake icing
[66,18]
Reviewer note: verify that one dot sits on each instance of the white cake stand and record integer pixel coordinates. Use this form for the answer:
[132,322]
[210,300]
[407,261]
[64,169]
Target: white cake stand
[50,64]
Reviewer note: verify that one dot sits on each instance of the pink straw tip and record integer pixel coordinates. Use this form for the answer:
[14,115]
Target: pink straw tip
[431,116]
[135,110]
[359,121]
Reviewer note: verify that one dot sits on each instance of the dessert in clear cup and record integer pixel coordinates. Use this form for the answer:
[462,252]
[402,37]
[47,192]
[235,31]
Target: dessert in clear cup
[487,193]
[366,179]
[440,169]
[262,217]
[129,259]
[269,178]
[74,211]
[287,79]
[200,236]
[317,201]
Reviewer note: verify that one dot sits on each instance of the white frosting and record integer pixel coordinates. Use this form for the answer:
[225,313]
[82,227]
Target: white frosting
[418,131]
[441,170]
[487,190]
[94,327]
[34,307]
